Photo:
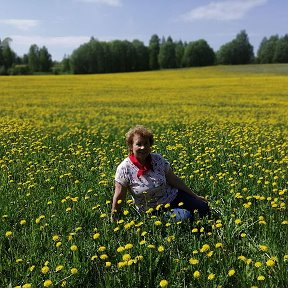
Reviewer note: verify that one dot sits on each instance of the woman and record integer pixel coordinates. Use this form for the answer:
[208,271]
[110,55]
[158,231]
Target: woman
[150,180]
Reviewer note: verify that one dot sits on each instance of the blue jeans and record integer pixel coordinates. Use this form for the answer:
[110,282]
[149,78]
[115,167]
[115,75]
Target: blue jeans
[191,204]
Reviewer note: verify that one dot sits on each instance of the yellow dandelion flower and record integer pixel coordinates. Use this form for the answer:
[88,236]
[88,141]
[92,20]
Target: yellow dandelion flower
[163,283]
[126,257]
[231,272]
[128,246]
[196,274]
[101,248]
[59,268]
[218,245]
[151,246]
[55,238]
[258,264]
[261,278]
[74,248]
[211,276]
[9,234]
[157,223]
[204,248]
[108,264]
[193,261]
[96,236]
[161,249]
[58,244]
[270,263]
[47,283]
[120,249]
[23,222]
[45,269]
[94,257]
[238,221]
[121,264]
[263,248]
[103,256]
[27,285]
[74,271]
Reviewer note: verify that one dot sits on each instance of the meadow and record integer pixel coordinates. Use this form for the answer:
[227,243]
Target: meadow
[223,129]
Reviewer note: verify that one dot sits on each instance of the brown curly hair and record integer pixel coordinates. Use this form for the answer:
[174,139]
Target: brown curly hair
[139,130]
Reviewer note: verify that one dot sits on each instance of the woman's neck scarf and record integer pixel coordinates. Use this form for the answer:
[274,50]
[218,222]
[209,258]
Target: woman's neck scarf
[142,168]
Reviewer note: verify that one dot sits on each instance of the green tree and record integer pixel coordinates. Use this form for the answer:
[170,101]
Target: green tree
[45,60]
[154,48]
[33,58]
[266,51]
[238,51]
[198,53]
[142,56]
[281,50]
[167,54]
[179,53]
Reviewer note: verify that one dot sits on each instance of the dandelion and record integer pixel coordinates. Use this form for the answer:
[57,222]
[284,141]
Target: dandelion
[47,283]
[9,234]
[55,238]
[128,246]
[211,276]
[204,248]
[196,274]
[74,271]
[163,283]
[231,272]
[74,248]
[161,249]
[59,268]
[263,248]
[218,245]
[238,221]
[121,264]
[193,261]
[108,264]
[258,264]
[96,236]
[101,248]
[23,222]
[45,269]
[120,249]
[27,285]
[58,244]
[261,278]
[94,257]
[103,257]
[126,257]
[157,223]
[270,263]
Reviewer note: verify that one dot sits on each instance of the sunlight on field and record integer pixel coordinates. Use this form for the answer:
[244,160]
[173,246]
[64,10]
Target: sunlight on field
[224,131]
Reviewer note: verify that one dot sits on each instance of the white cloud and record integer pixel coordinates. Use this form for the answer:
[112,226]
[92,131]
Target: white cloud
[105,2]
[223,10]
[21,24]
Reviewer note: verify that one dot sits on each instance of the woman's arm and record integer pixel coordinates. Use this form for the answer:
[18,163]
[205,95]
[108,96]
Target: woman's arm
[176,182]
[119,194]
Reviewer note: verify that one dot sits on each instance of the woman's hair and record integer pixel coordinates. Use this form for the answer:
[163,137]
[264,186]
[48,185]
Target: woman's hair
[139,130]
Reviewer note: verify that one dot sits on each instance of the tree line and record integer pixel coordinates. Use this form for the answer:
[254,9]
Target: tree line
[128,56]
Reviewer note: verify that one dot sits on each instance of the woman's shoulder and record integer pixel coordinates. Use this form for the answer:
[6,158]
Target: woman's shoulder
[157,157]
[125,163]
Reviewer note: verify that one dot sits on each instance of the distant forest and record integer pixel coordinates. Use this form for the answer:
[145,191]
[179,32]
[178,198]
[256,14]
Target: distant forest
[125,56]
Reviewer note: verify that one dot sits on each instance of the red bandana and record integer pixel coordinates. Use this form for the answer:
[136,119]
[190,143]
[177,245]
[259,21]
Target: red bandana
[142,168]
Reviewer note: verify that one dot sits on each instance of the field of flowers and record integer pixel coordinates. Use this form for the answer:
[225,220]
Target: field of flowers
[223,129]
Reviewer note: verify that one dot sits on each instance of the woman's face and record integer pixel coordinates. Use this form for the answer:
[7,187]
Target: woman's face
[141,147]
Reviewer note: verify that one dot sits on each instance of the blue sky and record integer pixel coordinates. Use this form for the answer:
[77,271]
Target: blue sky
[63,25]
